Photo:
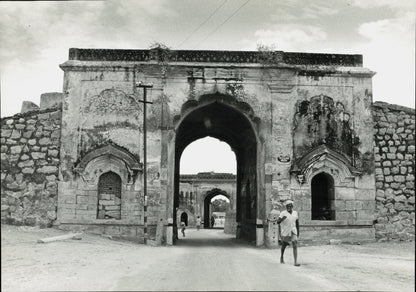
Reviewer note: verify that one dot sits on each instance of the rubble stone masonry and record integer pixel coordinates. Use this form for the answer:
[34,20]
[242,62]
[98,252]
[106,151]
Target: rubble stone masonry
[394,154]
[29,167]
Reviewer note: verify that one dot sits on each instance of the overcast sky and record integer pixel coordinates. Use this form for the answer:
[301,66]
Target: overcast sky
[35,36]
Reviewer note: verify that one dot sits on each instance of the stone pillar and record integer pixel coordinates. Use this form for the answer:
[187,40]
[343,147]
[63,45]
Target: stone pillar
[169,232]
[230,223]
[272,239]
[259,232]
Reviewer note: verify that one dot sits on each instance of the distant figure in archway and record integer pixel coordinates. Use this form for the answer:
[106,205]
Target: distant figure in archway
[212,221]
[183,227]
[198,223]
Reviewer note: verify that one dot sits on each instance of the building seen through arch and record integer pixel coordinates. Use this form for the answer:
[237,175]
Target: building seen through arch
[205,188]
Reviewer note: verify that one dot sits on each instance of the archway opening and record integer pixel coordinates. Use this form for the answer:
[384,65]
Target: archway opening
[230,124]
[184,218]
[218,207]
[323,197]
[216,204]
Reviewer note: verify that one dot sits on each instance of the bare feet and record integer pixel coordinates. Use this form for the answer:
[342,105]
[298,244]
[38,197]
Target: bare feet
[282,261]
[297,265]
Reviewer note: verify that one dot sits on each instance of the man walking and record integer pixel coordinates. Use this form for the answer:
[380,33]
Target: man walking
[289,224]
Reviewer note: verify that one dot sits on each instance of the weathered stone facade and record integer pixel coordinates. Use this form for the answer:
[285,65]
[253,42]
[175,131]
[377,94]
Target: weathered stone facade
[30,145]
[299,128]
[394,155]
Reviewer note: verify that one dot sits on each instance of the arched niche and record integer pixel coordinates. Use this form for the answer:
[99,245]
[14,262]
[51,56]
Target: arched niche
[109,196]
[108,158]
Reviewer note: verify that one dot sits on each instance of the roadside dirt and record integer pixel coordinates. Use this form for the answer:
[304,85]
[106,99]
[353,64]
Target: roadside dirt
[204,260]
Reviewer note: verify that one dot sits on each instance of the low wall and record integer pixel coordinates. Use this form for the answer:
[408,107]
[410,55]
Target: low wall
[29,167]
[394,152]
[116,229]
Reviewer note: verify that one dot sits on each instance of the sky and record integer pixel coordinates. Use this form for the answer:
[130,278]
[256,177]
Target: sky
[35,36]
[219,158]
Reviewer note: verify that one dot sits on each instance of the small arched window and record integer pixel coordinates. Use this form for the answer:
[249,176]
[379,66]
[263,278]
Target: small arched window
[109,196]
[323,197]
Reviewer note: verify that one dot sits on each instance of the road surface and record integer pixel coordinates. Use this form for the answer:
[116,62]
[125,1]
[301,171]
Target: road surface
[210,260]
[203,260]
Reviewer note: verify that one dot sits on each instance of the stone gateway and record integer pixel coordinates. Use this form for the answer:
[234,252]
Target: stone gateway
[302,127]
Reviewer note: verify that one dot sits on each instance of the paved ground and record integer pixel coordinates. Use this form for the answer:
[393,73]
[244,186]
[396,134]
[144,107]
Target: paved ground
[204,260]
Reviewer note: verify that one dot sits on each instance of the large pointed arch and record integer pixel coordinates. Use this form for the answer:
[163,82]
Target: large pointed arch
[208,196]
[234,122]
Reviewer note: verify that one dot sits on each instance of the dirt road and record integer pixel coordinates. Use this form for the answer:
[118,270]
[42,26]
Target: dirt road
[204,260]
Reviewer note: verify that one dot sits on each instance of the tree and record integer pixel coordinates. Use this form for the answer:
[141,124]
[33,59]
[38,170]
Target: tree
[220,205]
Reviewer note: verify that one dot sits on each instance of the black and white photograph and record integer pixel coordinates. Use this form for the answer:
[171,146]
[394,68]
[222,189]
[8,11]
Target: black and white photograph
[207,145]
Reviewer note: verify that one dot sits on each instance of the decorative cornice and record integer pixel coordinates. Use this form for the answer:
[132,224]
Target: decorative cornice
[207,176]
[322,59]
[216,57]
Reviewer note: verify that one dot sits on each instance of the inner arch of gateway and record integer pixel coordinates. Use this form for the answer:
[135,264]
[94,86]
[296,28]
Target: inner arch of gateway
[223,117]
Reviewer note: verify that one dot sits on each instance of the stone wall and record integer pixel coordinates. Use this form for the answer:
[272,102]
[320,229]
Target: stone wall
[109,206]
[29,167]
[394,154]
